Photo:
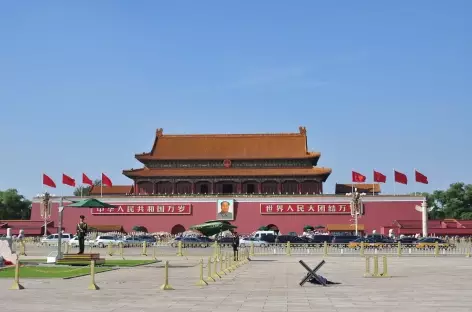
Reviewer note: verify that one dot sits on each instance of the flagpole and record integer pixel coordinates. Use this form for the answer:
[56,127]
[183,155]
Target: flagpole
[101,186]
[414,183]
[394,193]
[352,182]
[373,183]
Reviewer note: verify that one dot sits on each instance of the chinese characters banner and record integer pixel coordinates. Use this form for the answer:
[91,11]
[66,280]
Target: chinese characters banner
[148,209]
[313,208]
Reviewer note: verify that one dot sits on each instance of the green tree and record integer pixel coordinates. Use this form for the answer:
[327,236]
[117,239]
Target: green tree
[454,203]
[14,206]
[85,190]
[140,228]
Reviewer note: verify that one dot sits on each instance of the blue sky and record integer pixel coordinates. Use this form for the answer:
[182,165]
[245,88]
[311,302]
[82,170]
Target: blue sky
[378,84]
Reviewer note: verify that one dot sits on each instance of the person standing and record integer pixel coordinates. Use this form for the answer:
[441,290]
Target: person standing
[82,229]
[235,245]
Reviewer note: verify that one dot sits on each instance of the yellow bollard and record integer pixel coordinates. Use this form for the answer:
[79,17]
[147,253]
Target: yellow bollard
[288,249]
[228,263]
[384,267]
[215,269]
[92,285]
[144,253]
[222,266]
[179,249]
[399,249]
[376,266]
[122,251]
[436,249]
[110,250]
[251,253]
[362,249]
[66,250]
[325,248]
[201,282]
[367,267]
[166,285]
[154,252]
[210,276]
[16,283]
[22,248]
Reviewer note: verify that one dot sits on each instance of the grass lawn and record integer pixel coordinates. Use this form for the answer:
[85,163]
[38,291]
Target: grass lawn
[108,263]
[50,272]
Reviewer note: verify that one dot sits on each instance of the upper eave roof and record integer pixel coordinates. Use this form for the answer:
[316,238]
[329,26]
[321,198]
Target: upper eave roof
[229,146]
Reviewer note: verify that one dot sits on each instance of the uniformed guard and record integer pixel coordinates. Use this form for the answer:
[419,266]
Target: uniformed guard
[235,245]
[82,229]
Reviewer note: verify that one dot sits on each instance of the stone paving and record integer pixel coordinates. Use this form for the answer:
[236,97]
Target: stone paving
[265,284]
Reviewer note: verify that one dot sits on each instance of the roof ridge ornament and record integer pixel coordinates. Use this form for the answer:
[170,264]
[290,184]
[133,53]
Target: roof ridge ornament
[302,130]
[159,132]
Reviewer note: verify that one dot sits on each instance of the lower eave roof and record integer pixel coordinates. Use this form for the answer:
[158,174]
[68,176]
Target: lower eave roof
[146,172]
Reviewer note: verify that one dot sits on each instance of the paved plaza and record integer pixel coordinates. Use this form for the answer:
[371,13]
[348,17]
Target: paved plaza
[265,284]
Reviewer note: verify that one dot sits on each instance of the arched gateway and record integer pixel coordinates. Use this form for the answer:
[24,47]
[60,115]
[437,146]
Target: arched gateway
[176,229]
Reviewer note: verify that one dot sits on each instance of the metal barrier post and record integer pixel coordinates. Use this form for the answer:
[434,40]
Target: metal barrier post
[376,266]
[384,267]
[288,249]
[16,283]
[436,249]
[227,259]
[92,285]
[144,253]
[166,285]
[399,249]
[367,272]
[154,252]
[122,251]
[362,249]
[209,275]
[179,249]
[110,250]
[201,281]
[325,248]
[222,266]
[215,275]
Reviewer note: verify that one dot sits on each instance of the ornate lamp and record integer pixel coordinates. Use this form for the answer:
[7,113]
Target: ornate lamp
[45,209]
[356,207]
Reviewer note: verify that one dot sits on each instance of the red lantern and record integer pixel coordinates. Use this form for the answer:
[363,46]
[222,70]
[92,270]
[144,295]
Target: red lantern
[227,163]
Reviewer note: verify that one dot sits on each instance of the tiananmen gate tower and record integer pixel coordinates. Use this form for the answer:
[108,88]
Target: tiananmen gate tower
[252,180]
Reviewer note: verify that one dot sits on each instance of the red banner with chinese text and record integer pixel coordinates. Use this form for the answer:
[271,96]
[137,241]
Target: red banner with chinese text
[147,209]
[301,208]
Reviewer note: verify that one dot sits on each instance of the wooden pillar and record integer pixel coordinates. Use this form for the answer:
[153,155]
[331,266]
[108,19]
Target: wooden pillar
[173,187]
[193,187]
[279,187]
[299,187]
[239,187]
[154,188]
[259,187]
[135,191]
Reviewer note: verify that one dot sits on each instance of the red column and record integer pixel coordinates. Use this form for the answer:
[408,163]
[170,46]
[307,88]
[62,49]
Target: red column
[173,187]
[193,187]
[239,188]
[135,188]
[279,187]
[259,187]
[153,188]
[299,187]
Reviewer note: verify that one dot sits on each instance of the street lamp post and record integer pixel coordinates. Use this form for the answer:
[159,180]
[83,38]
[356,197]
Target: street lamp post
[356,206]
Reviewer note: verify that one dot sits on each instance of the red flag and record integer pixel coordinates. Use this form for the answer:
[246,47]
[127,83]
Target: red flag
[86,180]
[67,180]
[400,177]
[106,180]
[48,181]
[357,177]
[379,177]
[421,178]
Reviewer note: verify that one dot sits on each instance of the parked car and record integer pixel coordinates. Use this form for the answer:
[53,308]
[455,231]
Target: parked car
[243,242]
[53,239]
[283,239]
[343,240]
[189,242]
[430,242]
[104,240]
[407,241]
[74,242]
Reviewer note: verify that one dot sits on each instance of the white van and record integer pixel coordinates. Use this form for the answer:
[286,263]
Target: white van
[259,234]
[54,238]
